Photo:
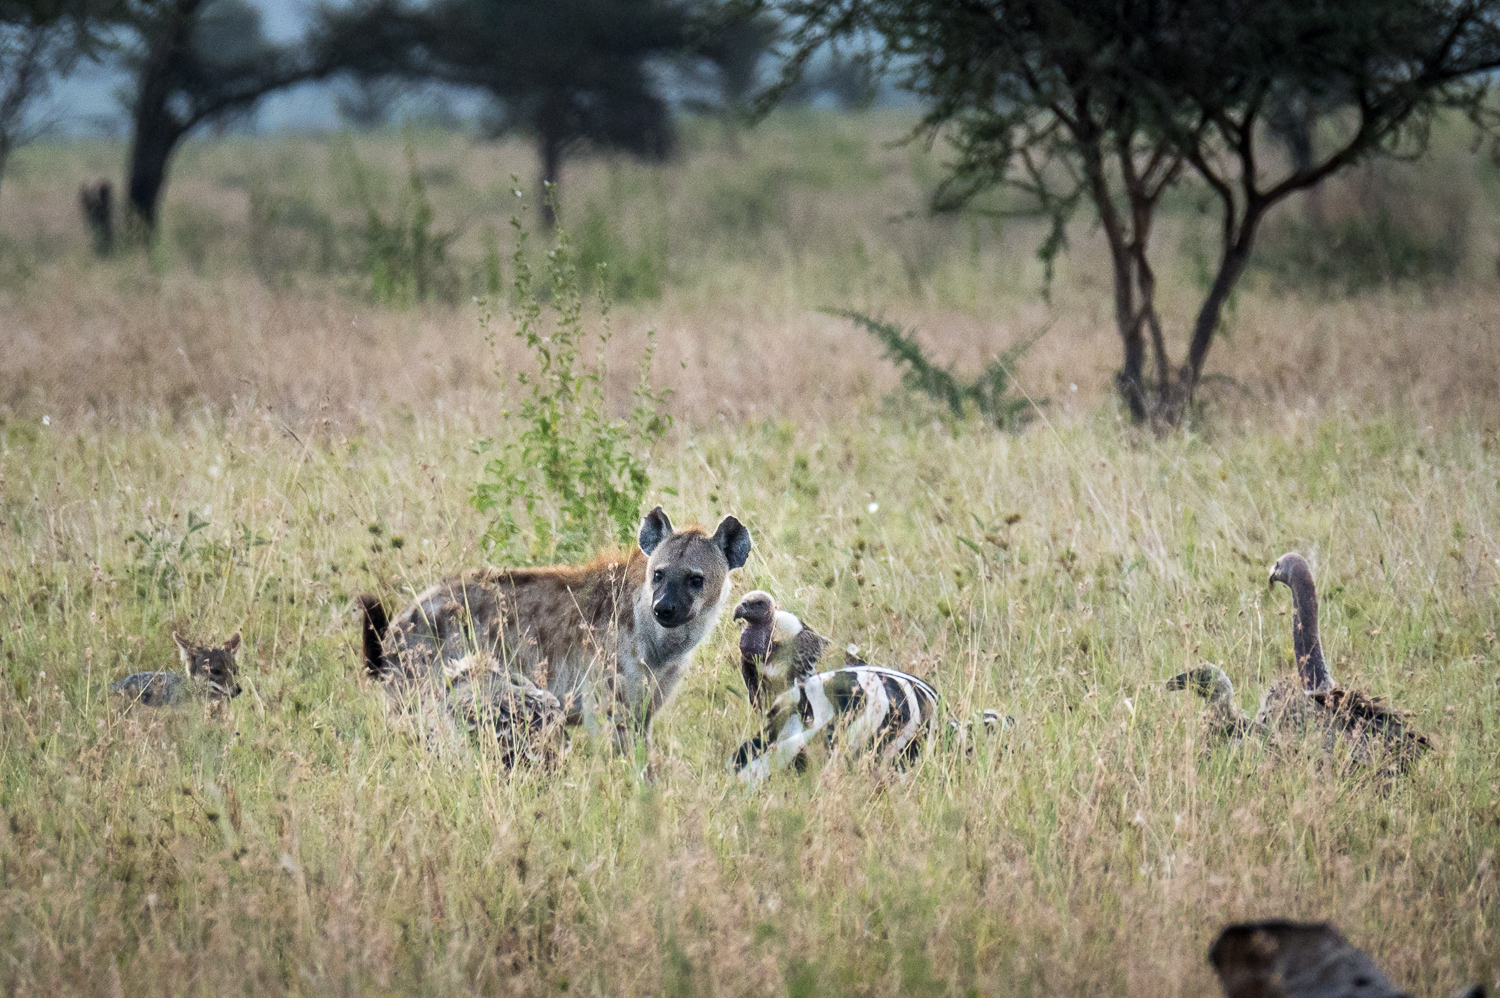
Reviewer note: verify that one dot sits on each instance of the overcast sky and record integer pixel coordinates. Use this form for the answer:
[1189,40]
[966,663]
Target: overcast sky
[87,102]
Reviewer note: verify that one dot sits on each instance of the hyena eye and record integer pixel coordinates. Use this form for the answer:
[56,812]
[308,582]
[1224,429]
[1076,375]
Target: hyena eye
[696,582]
[658,575]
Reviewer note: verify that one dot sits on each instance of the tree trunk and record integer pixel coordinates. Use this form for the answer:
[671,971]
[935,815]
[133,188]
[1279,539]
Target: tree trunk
[149,155]
[551,150]
[1173,403]
[1129,381]
[155,134]
[156,130]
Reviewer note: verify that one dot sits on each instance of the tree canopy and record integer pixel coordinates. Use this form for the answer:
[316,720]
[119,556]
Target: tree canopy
[565,72]
[39,40]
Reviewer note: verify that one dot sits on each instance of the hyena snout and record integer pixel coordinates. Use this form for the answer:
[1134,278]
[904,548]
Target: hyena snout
[225,685]
[674,607]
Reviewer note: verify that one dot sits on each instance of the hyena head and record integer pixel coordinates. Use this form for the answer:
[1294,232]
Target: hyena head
[213,664]
[688,569]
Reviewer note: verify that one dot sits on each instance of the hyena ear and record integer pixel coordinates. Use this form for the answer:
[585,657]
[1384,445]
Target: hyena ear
[734,540]
[233,643]
[655,528]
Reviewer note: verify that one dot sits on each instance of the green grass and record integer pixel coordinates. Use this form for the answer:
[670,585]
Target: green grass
[302,842]
[238,438]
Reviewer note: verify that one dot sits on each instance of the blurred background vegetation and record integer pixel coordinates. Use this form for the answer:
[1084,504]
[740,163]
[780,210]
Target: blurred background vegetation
[911,157]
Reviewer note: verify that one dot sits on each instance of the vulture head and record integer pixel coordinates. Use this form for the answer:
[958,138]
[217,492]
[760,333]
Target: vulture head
[1209,681]
[758,611]
[1291,570]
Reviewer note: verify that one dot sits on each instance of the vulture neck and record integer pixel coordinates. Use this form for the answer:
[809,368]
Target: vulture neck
[1309,650]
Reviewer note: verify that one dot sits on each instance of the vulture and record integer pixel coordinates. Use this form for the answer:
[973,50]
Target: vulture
[1362,727]
[776,648]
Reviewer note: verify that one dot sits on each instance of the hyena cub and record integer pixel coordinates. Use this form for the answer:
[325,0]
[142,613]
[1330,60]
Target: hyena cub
[211,674]
[605,642]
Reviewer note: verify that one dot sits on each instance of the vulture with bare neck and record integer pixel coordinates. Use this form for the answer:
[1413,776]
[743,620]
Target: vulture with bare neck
[1362,728]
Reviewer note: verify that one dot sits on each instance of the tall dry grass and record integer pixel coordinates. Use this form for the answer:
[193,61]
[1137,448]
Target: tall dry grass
[300,842]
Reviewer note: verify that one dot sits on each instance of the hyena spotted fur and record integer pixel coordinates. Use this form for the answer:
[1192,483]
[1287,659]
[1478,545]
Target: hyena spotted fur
[210,672]
[609,640]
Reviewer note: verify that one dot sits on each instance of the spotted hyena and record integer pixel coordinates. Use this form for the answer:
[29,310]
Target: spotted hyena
[609,640]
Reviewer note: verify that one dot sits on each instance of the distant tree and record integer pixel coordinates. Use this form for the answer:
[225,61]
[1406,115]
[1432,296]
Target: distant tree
[734,41]
[1111,102]
[565,72]
[194,62]
[848,82]
[39,41]
[368,103]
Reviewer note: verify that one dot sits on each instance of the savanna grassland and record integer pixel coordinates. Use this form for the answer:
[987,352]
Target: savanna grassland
[247,424]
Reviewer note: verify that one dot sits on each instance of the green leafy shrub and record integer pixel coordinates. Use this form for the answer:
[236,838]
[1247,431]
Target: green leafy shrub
[988,395]
[571,478]
[196,232]
[162,556]
[605,259]
[404,257]
[289,236]
[1359,254]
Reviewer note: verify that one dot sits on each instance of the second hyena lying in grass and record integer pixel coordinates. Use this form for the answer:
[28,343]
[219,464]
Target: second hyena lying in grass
[210,672]
[602,644]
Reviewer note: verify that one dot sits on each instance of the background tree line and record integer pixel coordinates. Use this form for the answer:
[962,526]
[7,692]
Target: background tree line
[1102,107]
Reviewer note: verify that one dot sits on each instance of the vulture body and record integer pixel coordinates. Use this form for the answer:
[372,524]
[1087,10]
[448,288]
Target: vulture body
[1277,958]
[1353,724]
[777,650]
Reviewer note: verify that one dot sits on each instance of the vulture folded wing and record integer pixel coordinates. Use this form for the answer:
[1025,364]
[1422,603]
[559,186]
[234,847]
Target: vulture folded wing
[1360,713]
[807,647]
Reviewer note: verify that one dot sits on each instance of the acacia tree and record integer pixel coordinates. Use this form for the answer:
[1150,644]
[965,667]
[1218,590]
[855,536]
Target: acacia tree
[566,72]
[195,62]
[1110,102]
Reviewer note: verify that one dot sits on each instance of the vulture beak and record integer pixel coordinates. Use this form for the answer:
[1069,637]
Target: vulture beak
[739,612]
